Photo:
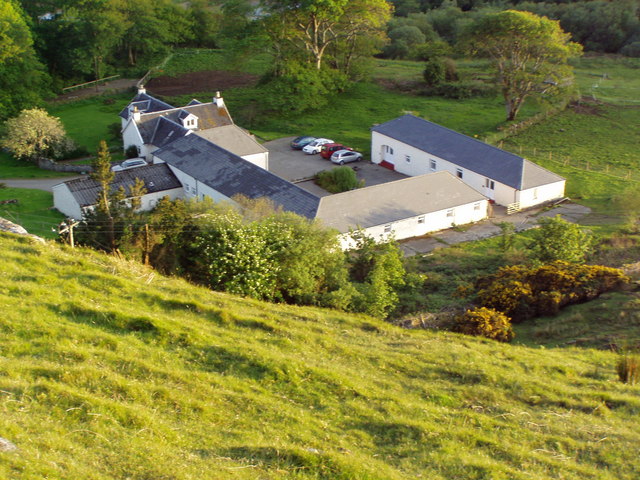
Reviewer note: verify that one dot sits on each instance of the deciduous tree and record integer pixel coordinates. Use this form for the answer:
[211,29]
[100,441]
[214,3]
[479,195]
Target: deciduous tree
[529,53]
[34,134]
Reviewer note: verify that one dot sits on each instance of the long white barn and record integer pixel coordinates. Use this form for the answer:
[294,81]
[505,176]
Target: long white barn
[415,146]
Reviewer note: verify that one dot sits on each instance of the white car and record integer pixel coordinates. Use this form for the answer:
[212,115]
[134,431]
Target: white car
[315,146]
[345,156]
[131,163]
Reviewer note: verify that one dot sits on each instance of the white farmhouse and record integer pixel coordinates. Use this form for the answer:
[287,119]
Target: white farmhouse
[415,146]
[150,124]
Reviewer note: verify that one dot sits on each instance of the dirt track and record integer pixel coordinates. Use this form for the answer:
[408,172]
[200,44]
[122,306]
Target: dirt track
[208,81]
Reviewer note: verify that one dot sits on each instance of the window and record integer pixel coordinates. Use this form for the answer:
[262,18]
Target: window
[459,172]
[535,193]
[432,165]
[407,158]
[421,219]
[488,183]
[450,212]
[387,228]
[476,206]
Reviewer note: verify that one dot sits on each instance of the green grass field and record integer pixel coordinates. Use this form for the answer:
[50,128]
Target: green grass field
[33,211]
[109,370]
[12,168]
[87,121]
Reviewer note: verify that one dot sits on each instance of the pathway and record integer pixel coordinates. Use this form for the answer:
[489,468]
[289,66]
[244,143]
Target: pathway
[488,228]
[37,183]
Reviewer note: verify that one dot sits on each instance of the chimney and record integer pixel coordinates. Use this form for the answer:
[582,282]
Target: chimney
[218,100]
[141,89]
[136,114]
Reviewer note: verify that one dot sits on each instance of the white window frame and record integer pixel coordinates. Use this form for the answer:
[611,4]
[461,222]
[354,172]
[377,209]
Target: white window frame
[421,219]
[451,212]
[407,158]
[432,164]
[388,228]
[459,173]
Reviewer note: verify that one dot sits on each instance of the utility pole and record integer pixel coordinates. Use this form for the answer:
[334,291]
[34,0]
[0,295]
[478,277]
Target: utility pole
[67,227]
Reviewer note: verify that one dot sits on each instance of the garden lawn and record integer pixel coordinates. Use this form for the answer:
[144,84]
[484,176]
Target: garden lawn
[13,168]
[87,121]
[34,210]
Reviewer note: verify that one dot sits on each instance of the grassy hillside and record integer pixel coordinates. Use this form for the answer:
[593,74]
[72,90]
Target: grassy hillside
[109,371]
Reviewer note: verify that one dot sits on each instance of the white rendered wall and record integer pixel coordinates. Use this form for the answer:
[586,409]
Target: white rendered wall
[541,194]
[419,163]
[259,159]
[65,203]
[434,221]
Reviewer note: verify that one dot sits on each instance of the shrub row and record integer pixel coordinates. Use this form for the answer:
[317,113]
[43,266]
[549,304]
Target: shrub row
[522,292]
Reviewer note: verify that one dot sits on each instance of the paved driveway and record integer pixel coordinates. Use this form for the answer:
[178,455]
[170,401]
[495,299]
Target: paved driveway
[37,183]
[299,168]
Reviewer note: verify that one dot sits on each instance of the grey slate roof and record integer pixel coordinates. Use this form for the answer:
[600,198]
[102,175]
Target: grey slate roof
[156,178]
[166,131]
[230,175]
[467,152]
[394,201]
[145,103]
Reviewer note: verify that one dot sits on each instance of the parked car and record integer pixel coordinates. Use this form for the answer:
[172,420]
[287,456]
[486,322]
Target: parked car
[315,146]
[345,156]
[329,149]
[131,163]
[300,142]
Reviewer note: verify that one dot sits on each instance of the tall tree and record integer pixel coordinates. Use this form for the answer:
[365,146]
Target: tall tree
[310,27]
[23,81]
[529,53]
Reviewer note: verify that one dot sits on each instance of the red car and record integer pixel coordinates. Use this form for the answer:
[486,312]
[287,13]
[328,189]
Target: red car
[329,149]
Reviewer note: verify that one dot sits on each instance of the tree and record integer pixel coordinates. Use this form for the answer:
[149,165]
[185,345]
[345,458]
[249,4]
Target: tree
[557,239]
[305,30]
[35,134]
[529,53]
[23,81]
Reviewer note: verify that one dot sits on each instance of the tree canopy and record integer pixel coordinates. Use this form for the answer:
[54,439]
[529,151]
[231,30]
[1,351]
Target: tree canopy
[528,52]
[34,134]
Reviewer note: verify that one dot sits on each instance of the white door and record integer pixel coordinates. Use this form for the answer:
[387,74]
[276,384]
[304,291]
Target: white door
[387,154]
[489,188]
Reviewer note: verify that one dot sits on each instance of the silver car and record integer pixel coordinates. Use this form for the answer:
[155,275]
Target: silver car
[131,163]
[345,156]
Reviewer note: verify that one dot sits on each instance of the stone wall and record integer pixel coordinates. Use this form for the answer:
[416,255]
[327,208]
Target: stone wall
[47,164]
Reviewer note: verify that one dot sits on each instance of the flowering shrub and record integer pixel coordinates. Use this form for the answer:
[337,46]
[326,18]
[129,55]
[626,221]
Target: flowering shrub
[522,292]
[485,322]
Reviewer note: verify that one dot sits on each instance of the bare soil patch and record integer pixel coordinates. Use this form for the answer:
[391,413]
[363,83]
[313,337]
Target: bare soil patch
[207,81]
[587,107]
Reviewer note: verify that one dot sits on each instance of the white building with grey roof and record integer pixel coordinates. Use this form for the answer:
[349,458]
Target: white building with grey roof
[406,208]
[414,146]
[150,124]
[74,197]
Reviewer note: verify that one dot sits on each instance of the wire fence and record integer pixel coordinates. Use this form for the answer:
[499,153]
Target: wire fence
[614,171]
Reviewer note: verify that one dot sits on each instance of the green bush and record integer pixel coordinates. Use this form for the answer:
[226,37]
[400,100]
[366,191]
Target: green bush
[459,90]
[485,322]
[337,180]
[631,50]
[434,72]
[131,151]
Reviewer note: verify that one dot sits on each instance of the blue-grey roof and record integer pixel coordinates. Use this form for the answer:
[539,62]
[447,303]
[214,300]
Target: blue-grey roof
[467,152]
[231,175]
[146,104]
[166,131]
[156,178]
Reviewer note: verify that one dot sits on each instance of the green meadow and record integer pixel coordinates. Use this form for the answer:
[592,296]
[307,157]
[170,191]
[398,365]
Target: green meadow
[109,370]
[33,211]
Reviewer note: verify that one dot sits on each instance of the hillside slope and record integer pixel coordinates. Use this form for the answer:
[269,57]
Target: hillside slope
[110,371]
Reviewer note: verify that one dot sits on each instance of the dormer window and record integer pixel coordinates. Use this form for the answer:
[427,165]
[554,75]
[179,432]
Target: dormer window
[190,122]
